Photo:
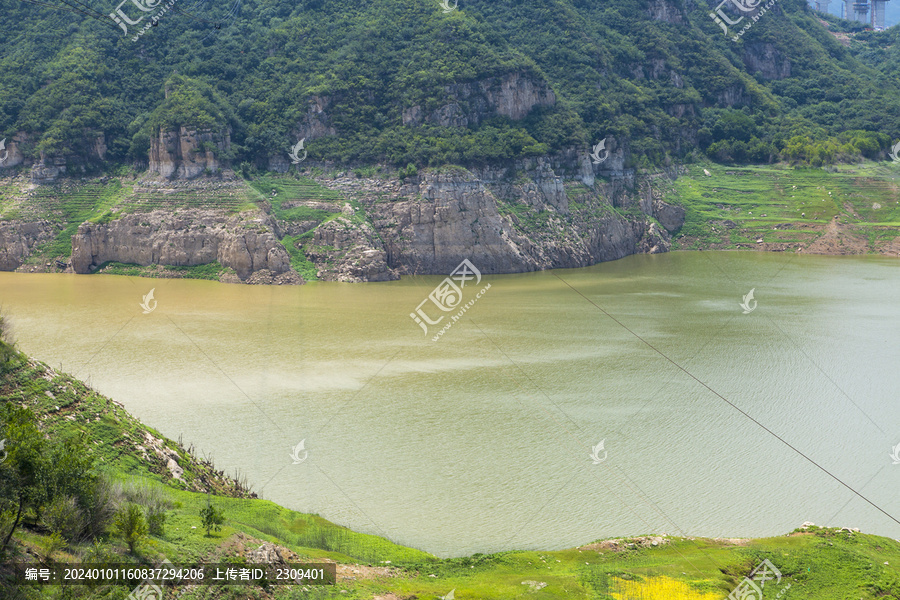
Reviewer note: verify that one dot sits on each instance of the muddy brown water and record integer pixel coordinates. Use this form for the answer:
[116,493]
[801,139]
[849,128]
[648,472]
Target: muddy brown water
[482,441]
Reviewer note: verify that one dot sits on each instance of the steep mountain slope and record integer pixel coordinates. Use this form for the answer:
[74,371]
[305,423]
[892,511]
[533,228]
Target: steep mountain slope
[399,82]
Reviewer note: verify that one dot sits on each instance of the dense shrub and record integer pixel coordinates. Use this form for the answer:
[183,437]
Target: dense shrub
[131,525]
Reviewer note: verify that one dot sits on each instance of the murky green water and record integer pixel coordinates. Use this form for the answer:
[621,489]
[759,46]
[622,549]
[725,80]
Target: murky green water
[481,441]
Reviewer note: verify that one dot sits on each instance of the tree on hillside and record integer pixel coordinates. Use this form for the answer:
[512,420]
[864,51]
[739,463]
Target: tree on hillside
[36,471]
[131,525]
[23,470]
[212,517]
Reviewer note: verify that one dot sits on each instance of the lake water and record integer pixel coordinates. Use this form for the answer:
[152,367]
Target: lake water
[481,441]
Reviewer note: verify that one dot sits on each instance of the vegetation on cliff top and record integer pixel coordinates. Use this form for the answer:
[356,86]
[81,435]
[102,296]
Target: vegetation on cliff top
[663,88]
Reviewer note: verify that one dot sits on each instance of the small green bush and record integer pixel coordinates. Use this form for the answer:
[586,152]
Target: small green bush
[131,525]
[156,523]
[212,518]
[63,516]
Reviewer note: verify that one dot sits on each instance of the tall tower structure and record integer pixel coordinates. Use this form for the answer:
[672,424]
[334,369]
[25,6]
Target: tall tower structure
[878,7]
[857,10]
[822,5]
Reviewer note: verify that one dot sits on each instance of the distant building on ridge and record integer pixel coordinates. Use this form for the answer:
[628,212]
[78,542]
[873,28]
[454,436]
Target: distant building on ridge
[858,10]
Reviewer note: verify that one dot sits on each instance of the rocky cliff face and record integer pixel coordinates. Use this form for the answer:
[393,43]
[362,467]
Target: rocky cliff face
[453,216]
[188,238]
[660,10]
[513,95]
[766,60]
[502,225]
[187,153]
[18,239]
[13,152]
[47,170]
[316,123]
[548,212]
[353,248]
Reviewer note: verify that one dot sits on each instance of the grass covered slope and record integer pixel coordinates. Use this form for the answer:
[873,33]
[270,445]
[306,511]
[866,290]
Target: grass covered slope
[850,210]
[820,564]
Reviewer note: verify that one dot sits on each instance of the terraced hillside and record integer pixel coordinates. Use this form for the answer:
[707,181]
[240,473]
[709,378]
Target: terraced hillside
[849,210]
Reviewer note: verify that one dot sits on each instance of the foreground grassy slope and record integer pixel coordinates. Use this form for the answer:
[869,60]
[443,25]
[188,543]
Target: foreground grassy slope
[821,564]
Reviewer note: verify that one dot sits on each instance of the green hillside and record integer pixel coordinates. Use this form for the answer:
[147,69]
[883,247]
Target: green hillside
[656,75]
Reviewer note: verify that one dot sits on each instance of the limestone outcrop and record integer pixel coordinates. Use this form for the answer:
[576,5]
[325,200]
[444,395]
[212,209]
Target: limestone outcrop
[12,155]
[764,59]
[513,95]
[503,226]
[353,248]
[18,239]
[187,153]
[186,238]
